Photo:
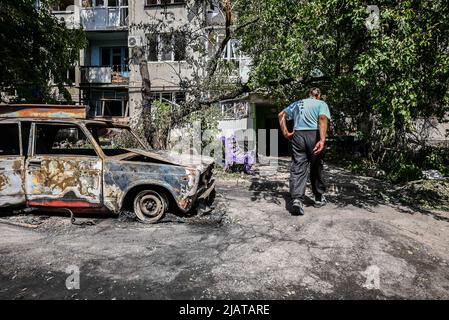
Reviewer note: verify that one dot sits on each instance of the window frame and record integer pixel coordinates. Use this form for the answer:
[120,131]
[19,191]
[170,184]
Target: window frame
[19,136]
[158,39]
[160,3]
[86,133]
[157,96]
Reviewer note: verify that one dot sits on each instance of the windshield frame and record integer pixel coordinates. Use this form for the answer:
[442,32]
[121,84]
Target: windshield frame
[143,146]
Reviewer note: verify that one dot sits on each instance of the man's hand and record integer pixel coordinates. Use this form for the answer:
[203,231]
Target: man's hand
[318,147]
[289,135]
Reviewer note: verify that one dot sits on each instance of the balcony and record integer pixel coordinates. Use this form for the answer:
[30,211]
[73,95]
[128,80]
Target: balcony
[115,75]
[104,18]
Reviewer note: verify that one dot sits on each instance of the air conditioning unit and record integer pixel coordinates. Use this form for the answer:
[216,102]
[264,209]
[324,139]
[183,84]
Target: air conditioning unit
[134,41]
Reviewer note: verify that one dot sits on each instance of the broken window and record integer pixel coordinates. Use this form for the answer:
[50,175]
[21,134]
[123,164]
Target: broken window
[10,143]
[62,140]
[109,103]
[114,108]
[114,140]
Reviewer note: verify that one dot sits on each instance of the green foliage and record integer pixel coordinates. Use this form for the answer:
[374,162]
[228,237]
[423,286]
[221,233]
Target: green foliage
[207,117]
[438,159]
[161,115]
[35,48]
[383,78]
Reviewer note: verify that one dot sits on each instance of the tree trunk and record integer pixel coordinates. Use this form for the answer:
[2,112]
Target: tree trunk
[142,119]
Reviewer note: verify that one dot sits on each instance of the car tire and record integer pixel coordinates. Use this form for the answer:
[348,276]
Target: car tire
[150,206]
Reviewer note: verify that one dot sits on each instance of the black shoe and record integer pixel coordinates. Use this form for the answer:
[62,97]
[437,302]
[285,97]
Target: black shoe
[320,201]
[298,207]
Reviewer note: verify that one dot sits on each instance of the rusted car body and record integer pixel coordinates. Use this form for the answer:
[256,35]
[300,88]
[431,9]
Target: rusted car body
[54,157]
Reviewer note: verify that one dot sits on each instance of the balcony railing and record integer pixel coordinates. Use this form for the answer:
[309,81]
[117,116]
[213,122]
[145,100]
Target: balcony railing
[117,74]
[104,18]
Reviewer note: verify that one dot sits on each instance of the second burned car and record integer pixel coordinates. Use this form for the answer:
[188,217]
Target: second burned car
[56,158]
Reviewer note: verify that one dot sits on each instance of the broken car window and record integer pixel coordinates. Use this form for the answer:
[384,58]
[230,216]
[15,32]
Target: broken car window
[63,140]
[114,140]
[9,143]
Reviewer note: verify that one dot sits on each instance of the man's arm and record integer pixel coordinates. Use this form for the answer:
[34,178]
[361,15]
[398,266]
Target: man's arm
[283,124]
[323,130]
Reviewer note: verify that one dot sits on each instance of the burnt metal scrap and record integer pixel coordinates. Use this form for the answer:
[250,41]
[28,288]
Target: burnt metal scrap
[56,158]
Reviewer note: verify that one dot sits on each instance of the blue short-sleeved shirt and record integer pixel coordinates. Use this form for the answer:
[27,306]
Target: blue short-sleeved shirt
[306,113]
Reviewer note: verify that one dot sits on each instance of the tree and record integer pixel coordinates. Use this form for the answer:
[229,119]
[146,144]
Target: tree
[36,49]
[382,77]
[205,77]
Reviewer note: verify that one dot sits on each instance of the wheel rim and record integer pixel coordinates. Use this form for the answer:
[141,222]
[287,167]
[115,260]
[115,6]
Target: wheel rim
[149,206]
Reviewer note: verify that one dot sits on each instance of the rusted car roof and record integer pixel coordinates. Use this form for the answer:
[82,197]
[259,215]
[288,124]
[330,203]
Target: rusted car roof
[43,111]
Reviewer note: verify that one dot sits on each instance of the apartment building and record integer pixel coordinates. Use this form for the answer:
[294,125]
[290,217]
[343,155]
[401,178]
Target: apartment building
[106,78]
[109,81]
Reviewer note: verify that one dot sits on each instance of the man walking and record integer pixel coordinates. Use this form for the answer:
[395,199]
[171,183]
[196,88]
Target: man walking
[310,126]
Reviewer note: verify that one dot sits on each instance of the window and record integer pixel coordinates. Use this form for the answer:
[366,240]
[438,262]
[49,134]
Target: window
[179,45]
[235,109]
[230,52]
[116,3]
[71,78]
[167,47]
[114,140]
[26,127]
[101,3]
[178,97]
[108,103]
[163,2]
[117,57]
[62,140]
[114,108]
[152,47]
[11,145]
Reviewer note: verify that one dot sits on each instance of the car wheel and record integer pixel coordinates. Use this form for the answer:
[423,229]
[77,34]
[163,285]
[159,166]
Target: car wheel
[150,206]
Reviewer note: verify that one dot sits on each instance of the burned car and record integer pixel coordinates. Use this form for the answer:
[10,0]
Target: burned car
[54,157]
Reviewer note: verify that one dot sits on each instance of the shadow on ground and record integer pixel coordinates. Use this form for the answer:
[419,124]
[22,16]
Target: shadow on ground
[343,189]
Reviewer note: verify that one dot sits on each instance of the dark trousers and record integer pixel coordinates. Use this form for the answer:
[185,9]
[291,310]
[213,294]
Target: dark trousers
[303,161]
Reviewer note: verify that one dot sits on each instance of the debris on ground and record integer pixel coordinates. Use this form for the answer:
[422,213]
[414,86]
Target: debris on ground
[432,175]
[427,193]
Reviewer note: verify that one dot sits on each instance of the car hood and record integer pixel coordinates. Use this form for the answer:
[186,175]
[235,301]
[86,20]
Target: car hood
[186,160]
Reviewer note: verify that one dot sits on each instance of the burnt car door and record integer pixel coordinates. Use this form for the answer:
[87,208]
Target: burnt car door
[63,169]
[12,160]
